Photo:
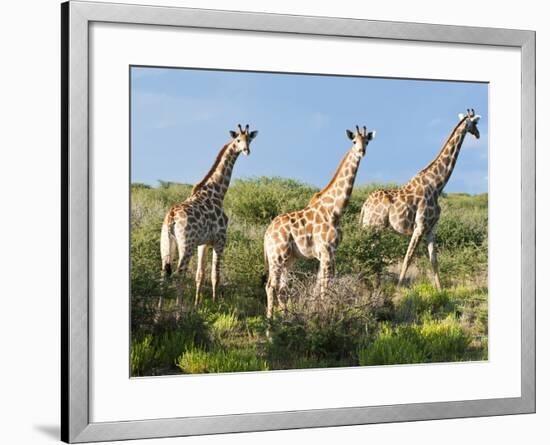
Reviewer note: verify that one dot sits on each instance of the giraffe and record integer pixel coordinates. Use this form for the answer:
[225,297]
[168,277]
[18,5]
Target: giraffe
[199,221]
[413,209]
[313,232]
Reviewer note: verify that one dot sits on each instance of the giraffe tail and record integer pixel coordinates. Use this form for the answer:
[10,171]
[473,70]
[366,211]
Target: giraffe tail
[166,247]
[265,275]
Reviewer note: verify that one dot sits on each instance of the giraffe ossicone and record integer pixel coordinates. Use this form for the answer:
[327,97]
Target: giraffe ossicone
[313,232]
[413,209]
[199,222]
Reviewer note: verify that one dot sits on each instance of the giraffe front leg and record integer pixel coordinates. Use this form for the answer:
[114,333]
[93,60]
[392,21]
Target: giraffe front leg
[416,236]
[326,271]
[199,277]
[217,252]
[272,287]
[432,252]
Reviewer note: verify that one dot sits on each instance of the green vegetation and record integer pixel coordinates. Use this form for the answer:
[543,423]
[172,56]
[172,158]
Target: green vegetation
[365,320]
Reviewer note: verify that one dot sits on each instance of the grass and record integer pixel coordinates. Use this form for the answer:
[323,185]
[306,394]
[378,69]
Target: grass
[198,361]
[432,341]
[367,319]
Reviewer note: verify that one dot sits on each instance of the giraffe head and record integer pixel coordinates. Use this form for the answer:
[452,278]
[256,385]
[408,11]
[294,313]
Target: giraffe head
[471,122]
[242,139]
[360,139]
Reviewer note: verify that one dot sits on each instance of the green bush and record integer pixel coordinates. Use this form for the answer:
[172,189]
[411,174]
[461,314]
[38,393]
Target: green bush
[444,341]
[392,347]
[156,348]
[198,361]
[423,300]
[368,251]
[432,341]
[328,331]
[224,324]
[259,200]
[464,264]
[142,356]
[243,263]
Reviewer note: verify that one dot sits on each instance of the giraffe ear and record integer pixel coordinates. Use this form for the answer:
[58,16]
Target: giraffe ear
[350,134]
[233,134]
[460,116]
[371,135]
[253,134]
[476,118]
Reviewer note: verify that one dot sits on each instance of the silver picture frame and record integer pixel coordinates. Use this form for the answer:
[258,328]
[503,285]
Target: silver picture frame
[76,18]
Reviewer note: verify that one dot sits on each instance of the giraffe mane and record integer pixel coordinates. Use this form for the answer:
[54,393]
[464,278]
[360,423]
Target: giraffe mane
[196,187]
[319,194]
[460,122]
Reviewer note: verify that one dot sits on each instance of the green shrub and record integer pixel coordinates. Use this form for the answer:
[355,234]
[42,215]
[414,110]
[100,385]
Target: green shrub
[368,251]
[256,325]
[444,341]
[295,338]
[392,347]
[328,330]
[199,361]
[142,356]
[243,264]
[157,349]
[224,324]
[463,266]
[423,300]
[432,341]
[259,200]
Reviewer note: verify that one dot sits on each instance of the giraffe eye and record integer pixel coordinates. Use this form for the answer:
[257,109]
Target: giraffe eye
[238,140]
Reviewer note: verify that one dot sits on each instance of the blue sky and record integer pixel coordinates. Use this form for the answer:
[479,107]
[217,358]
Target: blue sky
[180,119]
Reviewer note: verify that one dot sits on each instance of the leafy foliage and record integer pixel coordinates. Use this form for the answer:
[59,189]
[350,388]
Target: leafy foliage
[432,341]
[198,361]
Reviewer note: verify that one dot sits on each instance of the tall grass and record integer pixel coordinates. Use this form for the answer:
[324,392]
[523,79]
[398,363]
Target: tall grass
[198,361]
[432,341]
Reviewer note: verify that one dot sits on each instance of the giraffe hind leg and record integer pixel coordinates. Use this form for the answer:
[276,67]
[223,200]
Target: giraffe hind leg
[282,291]
[217,252]
[199,277]
[186,252]
[417,235]
[432,252]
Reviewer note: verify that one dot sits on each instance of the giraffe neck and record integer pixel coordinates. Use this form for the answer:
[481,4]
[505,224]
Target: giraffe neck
[335,196]
[216,181]
[441,168]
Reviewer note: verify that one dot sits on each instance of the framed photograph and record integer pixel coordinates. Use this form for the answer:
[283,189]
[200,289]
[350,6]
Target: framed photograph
[275,222]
